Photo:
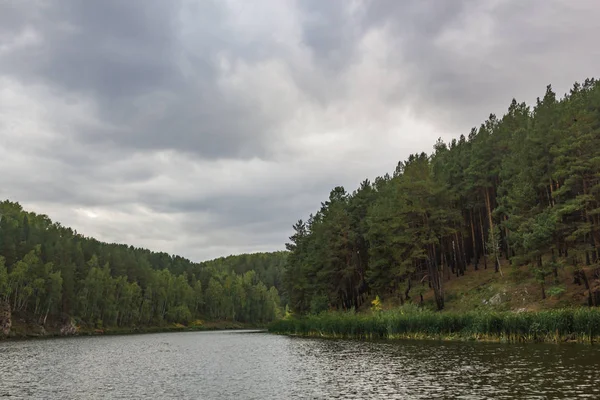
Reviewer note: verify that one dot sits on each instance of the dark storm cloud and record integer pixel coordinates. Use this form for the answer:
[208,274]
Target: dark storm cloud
[108,49]
[209,127]
[153,81]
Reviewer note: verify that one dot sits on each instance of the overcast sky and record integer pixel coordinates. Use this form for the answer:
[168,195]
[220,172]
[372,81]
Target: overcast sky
[207,128]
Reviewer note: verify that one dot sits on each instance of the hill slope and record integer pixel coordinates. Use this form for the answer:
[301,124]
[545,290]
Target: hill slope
[516,290]
[52,276]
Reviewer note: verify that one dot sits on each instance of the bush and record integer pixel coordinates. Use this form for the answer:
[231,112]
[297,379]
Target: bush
[376,304]
[555,291]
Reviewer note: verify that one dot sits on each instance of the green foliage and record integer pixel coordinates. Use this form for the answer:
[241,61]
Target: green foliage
[47,270]
[523,188]
[318,304]
[555,291]
[376,304]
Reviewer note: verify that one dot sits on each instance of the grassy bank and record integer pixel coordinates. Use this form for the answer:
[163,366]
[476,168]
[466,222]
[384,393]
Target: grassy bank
[26,331]
[566,325]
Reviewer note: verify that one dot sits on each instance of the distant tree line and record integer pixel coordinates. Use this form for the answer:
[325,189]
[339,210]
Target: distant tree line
[523,188]
[50,271]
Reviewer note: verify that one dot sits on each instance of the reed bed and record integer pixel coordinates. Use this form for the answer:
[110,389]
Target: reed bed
[565,325]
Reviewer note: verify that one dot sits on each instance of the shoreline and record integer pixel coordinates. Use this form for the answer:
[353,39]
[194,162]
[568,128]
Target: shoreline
[556,326]
[442,338]
[29,334]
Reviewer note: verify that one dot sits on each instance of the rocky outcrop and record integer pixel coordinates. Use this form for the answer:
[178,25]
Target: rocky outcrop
[496,299]
[5,319]
[68,328]
[36,330]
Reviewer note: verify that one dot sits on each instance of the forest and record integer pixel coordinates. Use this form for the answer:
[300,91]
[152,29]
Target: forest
[521,190]
[51,273]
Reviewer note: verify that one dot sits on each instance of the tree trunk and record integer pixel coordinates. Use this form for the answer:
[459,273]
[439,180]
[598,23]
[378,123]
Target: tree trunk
[554,268]
[475,252]
[46,316]
[488,206]
[590,221]
[506,234]
[408,289]
[458,255]
[540,266]
[434,273]
[498,267]
[463,252]
[445,266]
[16,297]
[543,291]
[586,283]
[482,241]
[587,258]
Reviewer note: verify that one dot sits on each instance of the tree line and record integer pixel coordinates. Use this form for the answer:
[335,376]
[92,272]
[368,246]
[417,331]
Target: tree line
[524,188]
[48,271]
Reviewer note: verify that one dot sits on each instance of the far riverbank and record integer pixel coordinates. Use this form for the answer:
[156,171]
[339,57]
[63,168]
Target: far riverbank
[21,331]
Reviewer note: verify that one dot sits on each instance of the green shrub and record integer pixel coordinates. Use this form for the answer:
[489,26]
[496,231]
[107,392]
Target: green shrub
[555,291]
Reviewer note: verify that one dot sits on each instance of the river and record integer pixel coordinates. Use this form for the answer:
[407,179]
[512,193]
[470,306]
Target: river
[245,365]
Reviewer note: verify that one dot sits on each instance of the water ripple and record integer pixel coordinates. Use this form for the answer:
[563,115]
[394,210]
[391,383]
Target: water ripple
[232,365]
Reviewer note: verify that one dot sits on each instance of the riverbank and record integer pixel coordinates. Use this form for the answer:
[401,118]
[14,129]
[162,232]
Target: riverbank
[580,325]
[23,330]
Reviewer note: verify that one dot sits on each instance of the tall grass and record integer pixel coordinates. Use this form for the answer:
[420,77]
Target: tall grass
[580,325]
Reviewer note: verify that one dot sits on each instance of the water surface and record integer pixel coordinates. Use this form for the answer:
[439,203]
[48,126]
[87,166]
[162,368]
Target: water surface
[242,365]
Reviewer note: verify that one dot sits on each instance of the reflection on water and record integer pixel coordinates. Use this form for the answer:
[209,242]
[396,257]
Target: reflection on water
[240,365]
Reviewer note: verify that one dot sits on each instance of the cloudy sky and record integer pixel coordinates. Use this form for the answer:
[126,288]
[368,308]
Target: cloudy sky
[206,128]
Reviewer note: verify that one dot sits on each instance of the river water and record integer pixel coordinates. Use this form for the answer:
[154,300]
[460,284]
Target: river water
[245,365]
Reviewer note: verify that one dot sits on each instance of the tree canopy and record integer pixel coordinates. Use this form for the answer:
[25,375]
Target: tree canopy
[50,271]
[524,188]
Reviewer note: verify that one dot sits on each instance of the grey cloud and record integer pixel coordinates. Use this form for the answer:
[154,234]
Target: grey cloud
[422,19]
[129,81]
[530,44]
[108,49]
[154,81]
[329,33]
[526,46]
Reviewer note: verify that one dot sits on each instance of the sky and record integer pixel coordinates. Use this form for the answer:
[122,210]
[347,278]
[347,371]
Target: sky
[207,128]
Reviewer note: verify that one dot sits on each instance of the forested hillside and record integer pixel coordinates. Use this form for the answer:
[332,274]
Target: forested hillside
[521,190]
[50,272]
[269,267]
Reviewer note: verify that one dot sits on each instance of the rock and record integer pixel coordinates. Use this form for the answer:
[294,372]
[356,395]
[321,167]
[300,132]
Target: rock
[68,328]
[37,331]
[5,318]
[496,299]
